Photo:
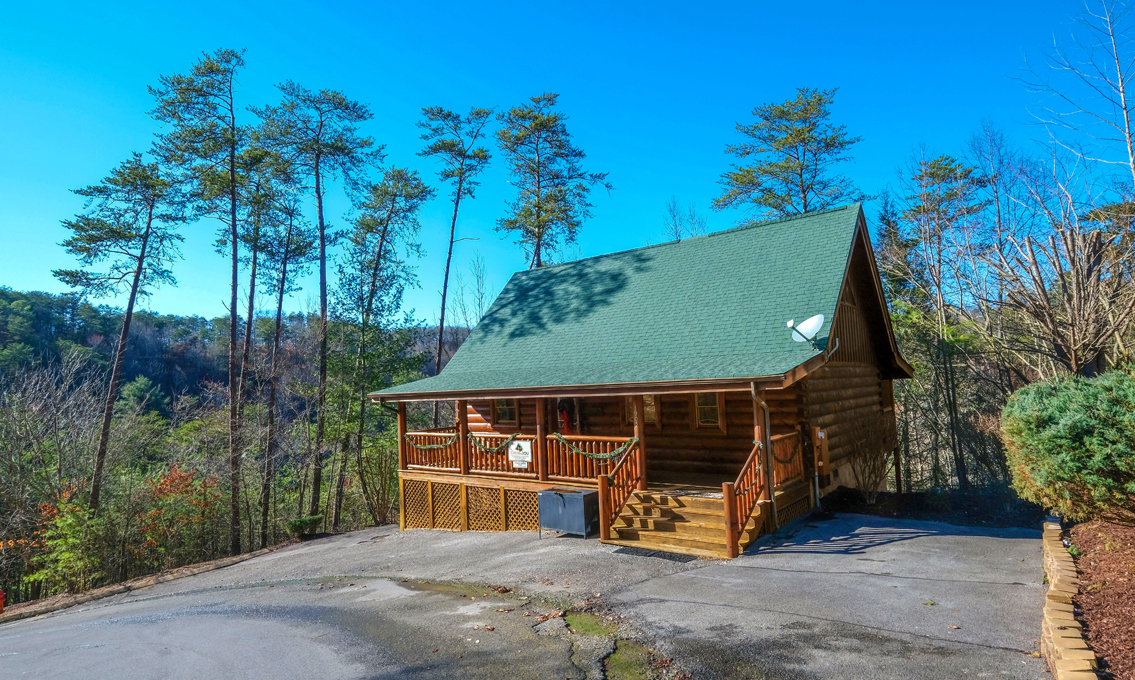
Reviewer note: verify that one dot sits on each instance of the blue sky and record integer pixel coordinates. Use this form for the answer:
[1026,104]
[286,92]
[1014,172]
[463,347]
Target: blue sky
[652,90]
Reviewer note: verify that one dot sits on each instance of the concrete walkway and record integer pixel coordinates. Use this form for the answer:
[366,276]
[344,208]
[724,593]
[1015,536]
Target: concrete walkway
[842,598]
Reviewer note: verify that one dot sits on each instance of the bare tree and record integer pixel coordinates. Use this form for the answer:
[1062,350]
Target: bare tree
[1090,86]
[680,222]
[1070,274]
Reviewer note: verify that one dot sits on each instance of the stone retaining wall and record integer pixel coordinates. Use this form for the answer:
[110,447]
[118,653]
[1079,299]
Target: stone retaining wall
[1062,636]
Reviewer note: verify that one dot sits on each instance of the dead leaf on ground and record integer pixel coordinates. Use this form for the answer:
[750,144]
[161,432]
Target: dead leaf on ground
[490,628]
[500,589]
[504,611]
[930,603]
[956,627]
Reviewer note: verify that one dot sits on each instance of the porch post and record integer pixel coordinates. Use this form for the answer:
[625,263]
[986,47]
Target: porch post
[541,439]
[604,517]
[765,457]
[462,408]
[401,435]
[732,530]
[640,433]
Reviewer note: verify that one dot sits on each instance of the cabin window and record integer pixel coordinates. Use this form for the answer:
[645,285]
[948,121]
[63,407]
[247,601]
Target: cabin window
[707,410]
[505,412]
[708,414]
[649,409]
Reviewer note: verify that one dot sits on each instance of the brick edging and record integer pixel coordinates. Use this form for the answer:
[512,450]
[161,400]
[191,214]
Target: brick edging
[1062,636]
[133,584]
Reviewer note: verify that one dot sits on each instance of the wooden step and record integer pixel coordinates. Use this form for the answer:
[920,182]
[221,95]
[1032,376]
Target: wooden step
[691,514]
[719,553]
[668,501]
[671,527]
[681,540]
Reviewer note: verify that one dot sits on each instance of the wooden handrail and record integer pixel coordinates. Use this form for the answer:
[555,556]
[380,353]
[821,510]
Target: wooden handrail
[741,497]
[591,438]
[616,488]
[435,430]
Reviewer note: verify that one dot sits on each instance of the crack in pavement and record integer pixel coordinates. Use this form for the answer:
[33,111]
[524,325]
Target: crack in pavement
[649,600]
[875,573]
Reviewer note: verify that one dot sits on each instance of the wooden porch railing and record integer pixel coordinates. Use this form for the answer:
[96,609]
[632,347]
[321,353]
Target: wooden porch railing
[565,465]
[433,450]
[741,498]
[488,455]
[616,487]
[787,458]
[442,449]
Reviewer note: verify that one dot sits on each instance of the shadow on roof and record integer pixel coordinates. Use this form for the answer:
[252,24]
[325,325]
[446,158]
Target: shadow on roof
[536,301]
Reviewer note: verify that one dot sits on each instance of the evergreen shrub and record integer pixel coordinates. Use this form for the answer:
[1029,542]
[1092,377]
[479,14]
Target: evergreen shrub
[1071,445]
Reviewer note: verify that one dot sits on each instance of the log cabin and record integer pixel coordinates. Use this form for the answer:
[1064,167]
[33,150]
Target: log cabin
[668,379]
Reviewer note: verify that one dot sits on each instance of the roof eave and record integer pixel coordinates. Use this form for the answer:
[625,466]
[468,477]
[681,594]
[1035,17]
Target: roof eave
[598,389]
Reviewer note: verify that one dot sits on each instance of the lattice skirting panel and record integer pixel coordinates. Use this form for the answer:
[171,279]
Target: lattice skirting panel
[436,505]
[791,511]
[415,504]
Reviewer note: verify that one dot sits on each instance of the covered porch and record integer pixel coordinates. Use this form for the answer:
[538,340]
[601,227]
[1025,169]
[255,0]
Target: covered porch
[461,478]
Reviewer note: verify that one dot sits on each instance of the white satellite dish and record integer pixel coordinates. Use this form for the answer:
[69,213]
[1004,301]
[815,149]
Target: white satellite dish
[807,330]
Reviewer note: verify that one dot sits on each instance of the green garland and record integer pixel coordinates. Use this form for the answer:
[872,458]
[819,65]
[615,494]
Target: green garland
[756,480]
[600,456]
[493,449]
[791,459]
[430,447]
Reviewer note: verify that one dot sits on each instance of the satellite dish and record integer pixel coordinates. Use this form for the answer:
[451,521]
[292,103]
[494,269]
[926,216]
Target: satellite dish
[806,331]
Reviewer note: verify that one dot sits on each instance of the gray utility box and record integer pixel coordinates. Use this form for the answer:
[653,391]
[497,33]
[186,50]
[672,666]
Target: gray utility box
[569,511]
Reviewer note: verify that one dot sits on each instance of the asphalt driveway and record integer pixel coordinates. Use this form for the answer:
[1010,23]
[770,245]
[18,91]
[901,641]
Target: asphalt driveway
[850,597]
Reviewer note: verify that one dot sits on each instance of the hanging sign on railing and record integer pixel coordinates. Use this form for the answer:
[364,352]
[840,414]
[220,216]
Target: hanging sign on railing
[520,453]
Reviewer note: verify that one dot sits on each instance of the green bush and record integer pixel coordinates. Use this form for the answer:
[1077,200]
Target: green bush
[1070,445]
[304,526]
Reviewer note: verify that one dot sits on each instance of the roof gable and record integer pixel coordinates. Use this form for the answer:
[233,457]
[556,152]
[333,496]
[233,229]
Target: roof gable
[705,308]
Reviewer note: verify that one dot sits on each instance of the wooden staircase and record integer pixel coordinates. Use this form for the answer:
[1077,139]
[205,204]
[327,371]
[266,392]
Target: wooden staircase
[689,525]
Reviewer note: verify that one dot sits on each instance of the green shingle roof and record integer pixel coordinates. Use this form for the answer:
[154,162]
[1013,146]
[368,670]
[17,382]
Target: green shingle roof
[708,307]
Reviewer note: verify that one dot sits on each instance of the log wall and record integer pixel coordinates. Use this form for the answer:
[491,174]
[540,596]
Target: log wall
[847,397]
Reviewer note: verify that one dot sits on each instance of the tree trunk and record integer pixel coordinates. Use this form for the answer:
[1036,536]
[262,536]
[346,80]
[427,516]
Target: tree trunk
[445,289]
[340,480]
[360,365]
[273,377]
[247,349]
[321,406]
[116,371]
[234,395]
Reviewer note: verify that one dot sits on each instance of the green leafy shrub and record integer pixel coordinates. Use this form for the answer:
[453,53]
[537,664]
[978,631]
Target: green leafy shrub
[1070,445]
[69,561]
[304,526]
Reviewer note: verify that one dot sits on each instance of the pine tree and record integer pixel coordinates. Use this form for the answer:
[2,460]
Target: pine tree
[317,133]
[552,188]
[795,150]
[206,141]
[130,224]
[452,139]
